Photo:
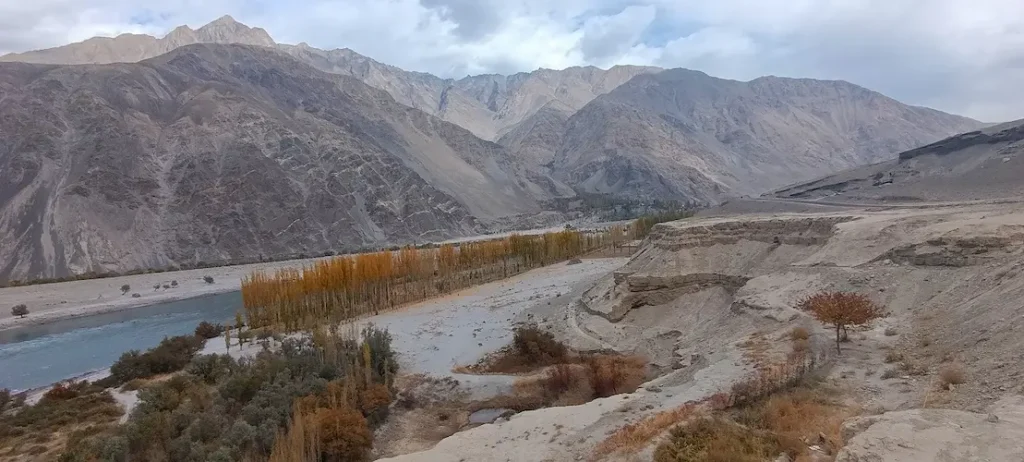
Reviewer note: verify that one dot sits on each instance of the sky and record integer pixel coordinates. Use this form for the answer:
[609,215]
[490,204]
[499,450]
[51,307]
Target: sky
[960,56]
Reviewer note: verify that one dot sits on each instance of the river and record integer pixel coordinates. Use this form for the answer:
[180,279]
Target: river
[35,356]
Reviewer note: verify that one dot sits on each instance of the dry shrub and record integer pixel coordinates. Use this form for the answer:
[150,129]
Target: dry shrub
[563,378]
[891,332]
[597,376]
[538,347]
[799,333]
[634,436]
[796,416]
[531,349]
[64,391]
[913,368]
[952,374]
[893,356]
[717,440]
[890,374]
[612,374]
[767,380]
[781,423]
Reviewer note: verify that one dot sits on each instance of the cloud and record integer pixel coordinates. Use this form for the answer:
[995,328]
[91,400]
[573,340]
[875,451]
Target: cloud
[963,57]
[611,36]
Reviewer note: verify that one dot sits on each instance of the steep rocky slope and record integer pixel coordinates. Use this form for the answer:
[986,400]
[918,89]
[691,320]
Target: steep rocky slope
[978,165]
[686,135]
[218,152]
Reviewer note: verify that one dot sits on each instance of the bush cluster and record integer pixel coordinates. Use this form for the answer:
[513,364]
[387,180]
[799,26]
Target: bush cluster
[65,406]
[206,330]
[327,391]
[596,376]
[172,354]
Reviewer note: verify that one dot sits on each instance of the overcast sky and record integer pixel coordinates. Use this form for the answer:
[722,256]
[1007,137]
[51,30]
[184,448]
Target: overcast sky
[961,56]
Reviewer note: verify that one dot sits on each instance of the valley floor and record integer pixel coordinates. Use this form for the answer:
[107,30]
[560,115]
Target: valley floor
[73,299]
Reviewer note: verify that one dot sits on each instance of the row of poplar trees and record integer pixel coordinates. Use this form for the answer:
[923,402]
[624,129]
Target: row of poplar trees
[345,287]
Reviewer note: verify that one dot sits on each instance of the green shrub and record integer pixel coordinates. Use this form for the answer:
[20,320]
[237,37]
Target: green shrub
[210,368]
[20,311]
[206,330]
[223,409]
[171,355]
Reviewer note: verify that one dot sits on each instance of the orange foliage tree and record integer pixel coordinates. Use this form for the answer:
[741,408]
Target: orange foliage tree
[345,287]
[842,309]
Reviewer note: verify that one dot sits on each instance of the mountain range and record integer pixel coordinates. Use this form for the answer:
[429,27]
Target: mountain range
[219,144]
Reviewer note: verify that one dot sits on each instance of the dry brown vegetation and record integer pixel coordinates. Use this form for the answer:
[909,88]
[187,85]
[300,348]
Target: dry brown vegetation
[532,348]
[747,394]
[345,287]
[595,376]
[66,412]
[779,423]
[717,440]
[842,310]
[569,378]
[951,374]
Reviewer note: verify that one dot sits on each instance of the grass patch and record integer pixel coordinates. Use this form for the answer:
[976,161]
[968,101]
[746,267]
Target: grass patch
[717,440]
[745,396]
[41,430]
[760,431]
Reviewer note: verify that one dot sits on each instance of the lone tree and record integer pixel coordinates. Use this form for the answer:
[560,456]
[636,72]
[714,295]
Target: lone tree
[842,309]
[208,279]
[20,311]
[125,288]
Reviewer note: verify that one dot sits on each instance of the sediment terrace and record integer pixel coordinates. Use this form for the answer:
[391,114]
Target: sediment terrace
[706,300]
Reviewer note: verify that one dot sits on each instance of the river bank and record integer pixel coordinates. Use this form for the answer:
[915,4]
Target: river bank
[63,300]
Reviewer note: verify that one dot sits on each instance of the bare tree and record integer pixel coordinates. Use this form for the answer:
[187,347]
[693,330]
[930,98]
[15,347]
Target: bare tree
[842,309]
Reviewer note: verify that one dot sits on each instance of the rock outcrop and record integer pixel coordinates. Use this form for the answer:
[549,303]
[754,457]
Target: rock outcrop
[984,164]
[937,435]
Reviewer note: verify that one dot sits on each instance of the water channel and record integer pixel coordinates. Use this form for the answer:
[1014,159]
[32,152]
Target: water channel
[35,356]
